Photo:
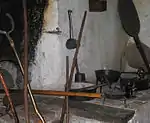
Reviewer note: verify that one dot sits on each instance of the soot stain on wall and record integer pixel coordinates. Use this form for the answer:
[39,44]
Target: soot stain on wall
[36,20]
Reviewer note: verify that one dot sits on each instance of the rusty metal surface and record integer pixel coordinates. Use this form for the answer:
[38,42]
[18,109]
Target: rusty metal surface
[9,99]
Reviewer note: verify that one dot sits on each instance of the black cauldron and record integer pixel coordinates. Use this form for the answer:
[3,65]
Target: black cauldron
[110,75]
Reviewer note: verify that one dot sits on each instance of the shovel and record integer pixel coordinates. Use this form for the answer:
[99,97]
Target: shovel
[131,24]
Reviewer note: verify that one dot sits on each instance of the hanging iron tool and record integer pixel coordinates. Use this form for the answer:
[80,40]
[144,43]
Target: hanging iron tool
[131,24]
[74,63]
[71,42]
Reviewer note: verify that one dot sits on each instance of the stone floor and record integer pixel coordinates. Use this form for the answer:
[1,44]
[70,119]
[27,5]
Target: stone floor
[80,112]
[94,111]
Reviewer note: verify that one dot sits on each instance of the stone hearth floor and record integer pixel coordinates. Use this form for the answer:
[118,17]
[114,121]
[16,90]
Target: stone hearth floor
[113,111]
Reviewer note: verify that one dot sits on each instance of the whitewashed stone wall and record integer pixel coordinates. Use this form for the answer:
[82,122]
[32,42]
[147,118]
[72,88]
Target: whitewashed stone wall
[101,45]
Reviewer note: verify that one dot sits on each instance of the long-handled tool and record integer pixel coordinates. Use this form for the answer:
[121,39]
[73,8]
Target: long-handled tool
[61,93]
[3,82]
[53,92]
[19,93]
[8,97]
[66,97]
[131,24]
[26,106]
[71,42]
[77,50]
[74,63]
[7,34]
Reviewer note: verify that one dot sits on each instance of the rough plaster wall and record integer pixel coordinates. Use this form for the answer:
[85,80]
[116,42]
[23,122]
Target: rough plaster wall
[101,45]
[103,36]
[143,7]
[47,71]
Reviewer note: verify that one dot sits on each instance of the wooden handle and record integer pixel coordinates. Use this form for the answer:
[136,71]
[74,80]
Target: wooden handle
[77,51]
[57,93]
[61,93]
[69,81]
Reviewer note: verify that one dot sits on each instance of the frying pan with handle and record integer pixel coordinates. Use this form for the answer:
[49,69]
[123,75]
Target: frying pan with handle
[131,24]
[71,42]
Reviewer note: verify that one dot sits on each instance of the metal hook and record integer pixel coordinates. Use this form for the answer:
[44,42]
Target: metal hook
[12,25]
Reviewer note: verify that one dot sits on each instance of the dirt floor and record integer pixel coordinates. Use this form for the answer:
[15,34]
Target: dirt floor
[80,112]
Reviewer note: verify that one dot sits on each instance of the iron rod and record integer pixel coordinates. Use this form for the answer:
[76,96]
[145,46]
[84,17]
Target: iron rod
[9,99]
[28,85]
[26,107]
[21,66]
[67,77]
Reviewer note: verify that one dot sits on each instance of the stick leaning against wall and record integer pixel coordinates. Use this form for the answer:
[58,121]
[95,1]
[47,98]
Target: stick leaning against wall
[7,34]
